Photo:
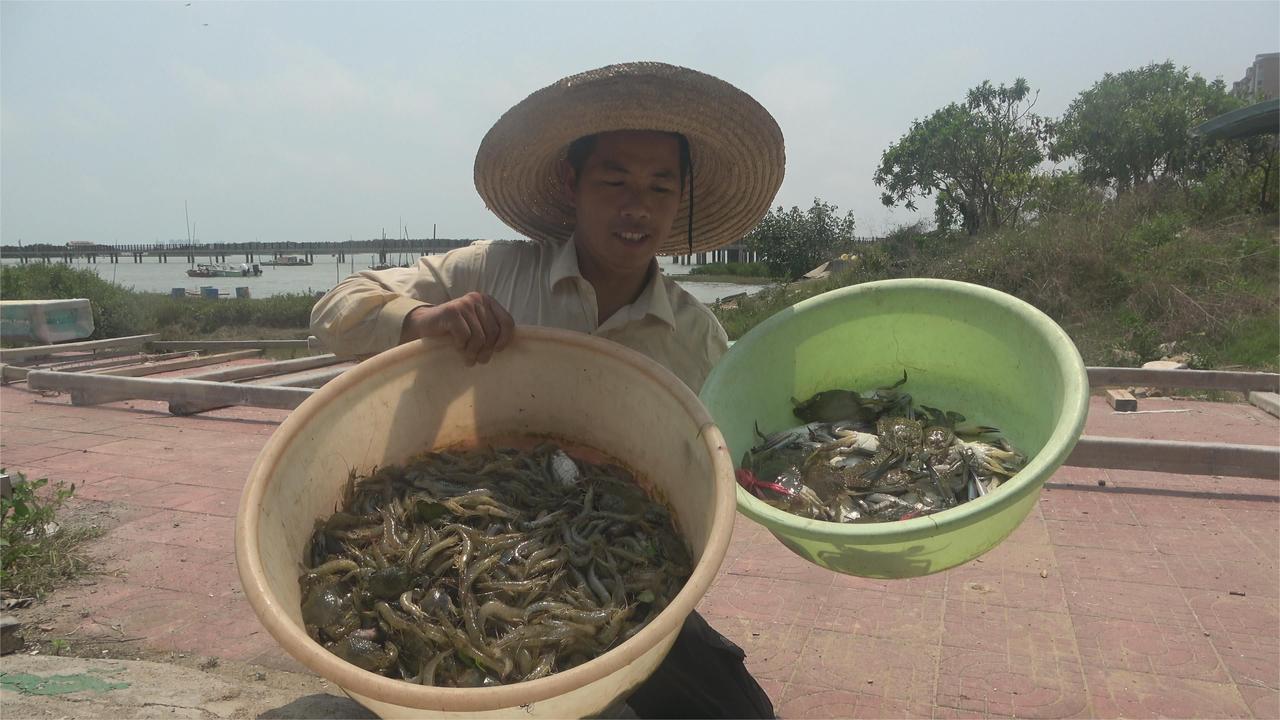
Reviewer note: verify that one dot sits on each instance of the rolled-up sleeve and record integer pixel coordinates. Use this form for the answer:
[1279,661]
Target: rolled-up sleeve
[364,314]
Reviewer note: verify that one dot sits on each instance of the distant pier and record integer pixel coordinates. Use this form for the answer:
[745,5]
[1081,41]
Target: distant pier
[257,251]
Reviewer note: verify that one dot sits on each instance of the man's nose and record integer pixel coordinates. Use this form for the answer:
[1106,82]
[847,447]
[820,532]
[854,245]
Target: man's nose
[634,206]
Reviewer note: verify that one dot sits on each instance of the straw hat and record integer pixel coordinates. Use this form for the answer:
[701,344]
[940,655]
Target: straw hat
[735,144]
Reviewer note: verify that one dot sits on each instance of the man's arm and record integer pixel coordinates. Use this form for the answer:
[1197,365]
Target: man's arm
[373,311]
[364,314]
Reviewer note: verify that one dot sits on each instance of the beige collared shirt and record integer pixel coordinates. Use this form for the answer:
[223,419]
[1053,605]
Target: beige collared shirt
[539,284]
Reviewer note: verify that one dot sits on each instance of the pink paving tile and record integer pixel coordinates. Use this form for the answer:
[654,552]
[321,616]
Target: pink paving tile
[1147,568]
[214,477]
[770,558]
[172,567]
[934,585]
[29,454]
[886,668]
[1019,557]
[1225,542]
[992,586]
[224,503]
[1186,512]
[772,649]
[101,462]
[15,437]
[1252,576]
[1117,693]
[1000,684]
[154,614]
[1091,534]
[1222,613]
[175,527]
[872,613]
[1265,539]
[81,441]
[1008,631]
[949,713]
[79,477]
[816,702]
[172,495]
[233,634]
[1067,502]
[764,600]
[1136,602]
[1262,702]
[137,447]
[117,489]
[1253,664]
[1148,648]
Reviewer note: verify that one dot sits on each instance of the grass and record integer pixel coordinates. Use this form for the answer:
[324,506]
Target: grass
[1125,278]
[37,555]
[733,269]
[118,312]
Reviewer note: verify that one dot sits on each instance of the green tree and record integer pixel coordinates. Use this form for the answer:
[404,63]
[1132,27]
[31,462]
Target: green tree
[793,242]
[1134,127]
[976,156]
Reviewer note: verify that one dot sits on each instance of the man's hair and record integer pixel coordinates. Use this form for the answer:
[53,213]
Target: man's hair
[581,149]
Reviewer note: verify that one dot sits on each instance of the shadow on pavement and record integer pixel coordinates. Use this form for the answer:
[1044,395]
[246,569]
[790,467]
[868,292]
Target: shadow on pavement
[320,705]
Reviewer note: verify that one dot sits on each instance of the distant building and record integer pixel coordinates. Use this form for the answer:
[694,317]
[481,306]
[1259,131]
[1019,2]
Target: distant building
[1262,78]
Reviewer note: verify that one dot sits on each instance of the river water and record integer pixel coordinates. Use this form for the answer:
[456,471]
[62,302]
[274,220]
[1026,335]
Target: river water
[154,276]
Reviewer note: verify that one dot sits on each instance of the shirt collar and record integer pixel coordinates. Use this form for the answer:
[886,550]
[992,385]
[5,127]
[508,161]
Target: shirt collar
[654,299]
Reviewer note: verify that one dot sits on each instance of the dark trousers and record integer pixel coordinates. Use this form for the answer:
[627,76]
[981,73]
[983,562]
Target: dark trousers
[702,677]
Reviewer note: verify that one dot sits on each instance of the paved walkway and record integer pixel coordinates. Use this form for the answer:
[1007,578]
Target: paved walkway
[1154,595]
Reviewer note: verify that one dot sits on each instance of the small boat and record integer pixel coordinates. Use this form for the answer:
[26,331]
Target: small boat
[386,266]
[224,270]
[286,261]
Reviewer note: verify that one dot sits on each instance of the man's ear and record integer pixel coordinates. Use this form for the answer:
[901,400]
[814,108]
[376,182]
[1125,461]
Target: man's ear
[568,182]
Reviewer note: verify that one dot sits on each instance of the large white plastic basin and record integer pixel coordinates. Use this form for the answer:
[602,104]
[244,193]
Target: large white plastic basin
[418,396]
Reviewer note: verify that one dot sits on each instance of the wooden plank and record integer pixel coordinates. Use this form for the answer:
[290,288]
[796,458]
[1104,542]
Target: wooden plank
[280,367]
[97,389]
[1121,400]
[155,368]
[310,380]
[1182,458]
[12,373]
[228,344]
[1102,377]
[126,358]
[14,354]
[1265,401]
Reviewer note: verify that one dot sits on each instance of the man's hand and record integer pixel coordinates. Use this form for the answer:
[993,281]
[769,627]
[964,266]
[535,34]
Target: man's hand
[478,324]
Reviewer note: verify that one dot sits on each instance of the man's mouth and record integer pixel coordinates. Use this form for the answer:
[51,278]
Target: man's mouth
[632,238]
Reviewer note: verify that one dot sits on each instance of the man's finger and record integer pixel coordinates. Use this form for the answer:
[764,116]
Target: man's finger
[477,339]
[492,331]
[506,325]
[459,330]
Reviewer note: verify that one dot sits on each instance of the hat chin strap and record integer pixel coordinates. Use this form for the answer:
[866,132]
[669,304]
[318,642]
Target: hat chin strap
[691,205]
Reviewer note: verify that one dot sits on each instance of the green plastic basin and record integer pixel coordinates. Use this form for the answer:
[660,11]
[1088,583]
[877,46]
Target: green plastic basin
[983,353]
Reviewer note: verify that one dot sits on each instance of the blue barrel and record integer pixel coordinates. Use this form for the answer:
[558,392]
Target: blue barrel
[242,292]
[178,292]
[209,293]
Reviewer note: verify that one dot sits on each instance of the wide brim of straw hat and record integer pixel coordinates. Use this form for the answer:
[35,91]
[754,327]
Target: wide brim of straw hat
[735,144]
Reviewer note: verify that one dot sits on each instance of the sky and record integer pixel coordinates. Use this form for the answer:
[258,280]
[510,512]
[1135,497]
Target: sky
[297,121]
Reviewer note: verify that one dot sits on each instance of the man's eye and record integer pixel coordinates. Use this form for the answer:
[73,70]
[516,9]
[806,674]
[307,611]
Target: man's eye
[613,183]
[661,189]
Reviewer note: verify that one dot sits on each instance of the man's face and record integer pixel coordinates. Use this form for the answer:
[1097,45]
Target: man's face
[626,199]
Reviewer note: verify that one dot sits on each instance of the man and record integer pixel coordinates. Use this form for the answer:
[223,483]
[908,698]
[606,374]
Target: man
[604,171]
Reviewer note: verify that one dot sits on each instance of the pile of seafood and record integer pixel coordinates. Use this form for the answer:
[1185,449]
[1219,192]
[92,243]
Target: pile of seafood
[876,458]
[487,567]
